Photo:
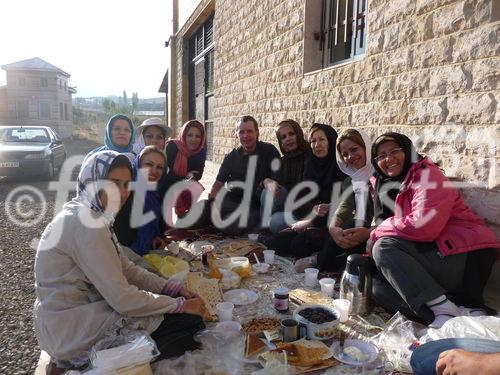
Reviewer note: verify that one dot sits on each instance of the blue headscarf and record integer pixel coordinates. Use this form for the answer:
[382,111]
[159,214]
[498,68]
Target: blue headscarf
[143,243]
[107,137]
[109,145]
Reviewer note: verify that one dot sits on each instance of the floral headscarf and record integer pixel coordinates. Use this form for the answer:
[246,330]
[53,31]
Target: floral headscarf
[91,178]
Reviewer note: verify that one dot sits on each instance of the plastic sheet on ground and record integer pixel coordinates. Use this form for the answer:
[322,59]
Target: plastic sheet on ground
[481,327]
[221,353]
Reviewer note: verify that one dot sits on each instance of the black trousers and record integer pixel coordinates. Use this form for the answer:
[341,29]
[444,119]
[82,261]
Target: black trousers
[175,334]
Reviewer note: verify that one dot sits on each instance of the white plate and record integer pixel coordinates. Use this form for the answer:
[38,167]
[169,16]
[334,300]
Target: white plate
[241,296]
[365,347]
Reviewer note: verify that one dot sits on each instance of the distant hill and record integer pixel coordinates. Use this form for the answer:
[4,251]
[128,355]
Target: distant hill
[94,104]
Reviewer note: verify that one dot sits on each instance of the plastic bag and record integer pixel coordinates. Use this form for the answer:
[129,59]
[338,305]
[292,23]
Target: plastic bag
[396,339]
[167,265]
[128,349]
[480,327]
[222,353]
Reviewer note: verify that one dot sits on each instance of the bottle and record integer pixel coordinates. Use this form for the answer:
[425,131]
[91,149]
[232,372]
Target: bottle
[281,303]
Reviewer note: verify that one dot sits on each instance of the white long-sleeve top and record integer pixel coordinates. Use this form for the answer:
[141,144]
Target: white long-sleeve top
[84,284]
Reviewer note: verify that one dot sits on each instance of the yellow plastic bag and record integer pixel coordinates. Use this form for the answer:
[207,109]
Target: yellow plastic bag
[167,265]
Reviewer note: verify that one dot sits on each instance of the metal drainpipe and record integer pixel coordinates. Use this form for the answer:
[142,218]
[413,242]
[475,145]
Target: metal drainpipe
[172,81]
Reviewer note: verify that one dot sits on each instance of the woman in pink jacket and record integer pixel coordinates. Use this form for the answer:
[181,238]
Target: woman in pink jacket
[428,244]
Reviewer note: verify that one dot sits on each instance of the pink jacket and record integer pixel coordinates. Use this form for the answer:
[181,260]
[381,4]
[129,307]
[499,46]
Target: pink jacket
[429,208]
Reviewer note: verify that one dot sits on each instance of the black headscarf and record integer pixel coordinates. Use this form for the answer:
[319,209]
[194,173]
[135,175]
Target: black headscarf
[324,171]
[381,211]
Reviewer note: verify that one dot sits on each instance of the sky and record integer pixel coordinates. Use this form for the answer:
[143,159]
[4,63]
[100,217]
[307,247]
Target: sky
[107,46]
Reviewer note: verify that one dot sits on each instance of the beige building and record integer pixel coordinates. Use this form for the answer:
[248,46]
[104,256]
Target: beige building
[427,68]
[37,93]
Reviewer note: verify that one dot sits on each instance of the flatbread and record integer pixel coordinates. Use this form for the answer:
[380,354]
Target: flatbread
[208,290]
[303,296]
[242,247]
[254,345]
[305,353]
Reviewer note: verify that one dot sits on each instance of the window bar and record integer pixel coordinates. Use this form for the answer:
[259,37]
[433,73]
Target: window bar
[355,27]
[336,21]
[322,28]
[346,17]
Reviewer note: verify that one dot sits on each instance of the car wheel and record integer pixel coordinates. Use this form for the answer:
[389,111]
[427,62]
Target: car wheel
[50,173]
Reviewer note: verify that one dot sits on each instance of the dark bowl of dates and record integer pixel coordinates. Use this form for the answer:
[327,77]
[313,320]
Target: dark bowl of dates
[320,320]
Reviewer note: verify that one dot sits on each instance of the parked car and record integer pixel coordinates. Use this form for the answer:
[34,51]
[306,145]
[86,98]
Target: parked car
[30,150]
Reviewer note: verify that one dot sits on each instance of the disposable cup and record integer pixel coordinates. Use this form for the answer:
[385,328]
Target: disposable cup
[342,306]
[311,276]
[225,311]
[327,284]
[268,256]
[253,236]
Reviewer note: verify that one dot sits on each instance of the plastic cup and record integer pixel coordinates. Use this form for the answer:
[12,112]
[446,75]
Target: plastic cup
[268,256]
[327,285]
[311,276]
[225,311]
[253,236]
[342,306]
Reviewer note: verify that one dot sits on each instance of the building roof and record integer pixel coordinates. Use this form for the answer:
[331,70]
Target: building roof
[35,63]
[164,84]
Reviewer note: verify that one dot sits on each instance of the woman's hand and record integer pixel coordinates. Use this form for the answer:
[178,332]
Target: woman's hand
[301,226]
[187,294]
[358,235]
[321,209]
[340,239]
[159,243]
[194,306]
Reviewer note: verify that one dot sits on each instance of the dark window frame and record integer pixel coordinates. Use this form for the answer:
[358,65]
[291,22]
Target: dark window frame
[338,43]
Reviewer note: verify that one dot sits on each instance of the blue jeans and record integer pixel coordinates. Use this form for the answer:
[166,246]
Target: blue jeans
[278,204]
[424,358]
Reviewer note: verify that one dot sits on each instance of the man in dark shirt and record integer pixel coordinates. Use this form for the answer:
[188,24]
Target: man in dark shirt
[237,208]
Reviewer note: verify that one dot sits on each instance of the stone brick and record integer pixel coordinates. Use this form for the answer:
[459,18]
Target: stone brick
[478,43]
[449,80]
[477,12]
[375,44]
[424,6]
[394,113]
[472,109]
[398,61]
[434,52]
[365,114]
[394,11]
[449,19]
[427,111]
[486,74]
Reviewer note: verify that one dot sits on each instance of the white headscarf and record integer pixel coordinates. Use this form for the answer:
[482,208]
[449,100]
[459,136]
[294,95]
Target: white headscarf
[359,177]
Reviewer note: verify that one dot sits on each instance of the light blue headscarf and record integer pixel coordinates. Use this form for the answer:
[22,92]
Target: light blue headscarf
[109,145]
[91,178]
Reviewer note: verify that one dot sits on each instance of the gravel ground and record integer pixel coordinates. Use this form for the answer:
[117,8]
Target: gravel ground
[19,351]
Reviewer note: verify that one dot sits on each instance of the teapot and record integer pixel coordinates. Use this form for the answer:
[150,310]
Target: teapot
[356,284]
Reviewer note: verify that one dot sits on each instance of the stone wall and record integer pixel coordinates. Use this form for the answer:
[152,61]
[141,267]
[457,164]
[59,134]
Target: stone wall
[431,70]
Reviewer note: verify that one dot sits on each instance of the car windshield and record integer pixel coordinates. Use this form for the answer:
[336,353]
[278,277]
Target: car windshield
[24,135]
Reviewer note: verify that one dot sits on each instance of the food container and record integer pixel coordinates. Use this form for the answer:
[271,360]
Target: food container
[261,267]
[230,280]
[241,265]
[320,320]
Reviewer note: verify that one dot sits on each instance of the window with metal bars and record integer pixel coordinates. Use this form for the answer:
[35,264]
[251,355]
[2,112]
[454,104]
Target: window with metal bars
[343,30]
